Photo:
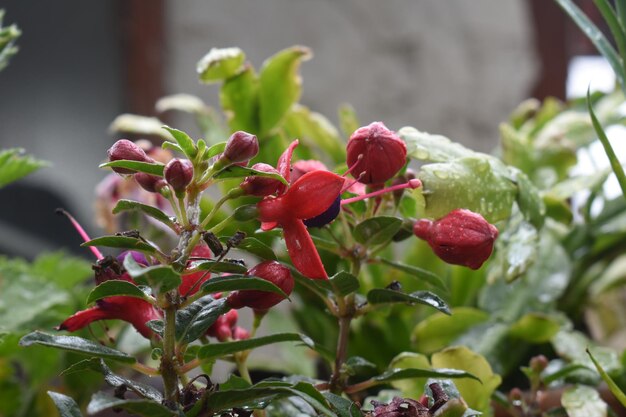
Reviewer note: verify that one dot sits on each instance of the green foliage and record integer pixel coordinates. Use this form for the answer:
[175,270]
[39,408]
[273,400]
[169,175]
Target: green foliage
[14,165]
[8,35]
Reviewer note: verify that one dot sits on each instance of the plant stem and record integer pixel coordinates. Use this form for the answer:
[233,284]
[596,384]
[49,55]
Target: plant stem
[168,367]
[342,347]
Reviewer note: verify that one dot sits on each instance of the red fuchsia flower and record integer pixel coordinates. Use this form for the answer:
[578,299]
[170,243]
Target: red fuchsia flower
[375,154]
[462,237]
[308,197]
[124,149]
[271,271]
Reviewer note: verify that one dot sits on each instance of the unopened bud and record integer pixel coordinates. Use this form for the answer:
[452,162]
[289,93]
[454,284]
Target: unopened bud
[375,154]
[462,237]
[150,183]
[124,149]
[241,147]
[178,173]
[246,213]
[224,326]
[271,271]
[240,333]
[538,363]
[261,186]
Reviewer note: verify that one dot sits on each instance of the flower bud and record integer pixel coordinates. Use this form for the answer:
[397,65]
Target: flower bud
[241,147]
[261,186]
[538,363]
[192,282]
[375,154]
[148,182]
[124,149]
[271,271]
[462,237]
[224,326]
[178,173]
[240,333]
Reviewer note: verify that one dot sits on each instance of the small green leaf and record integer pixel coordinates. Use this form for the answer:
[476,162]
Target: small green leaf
[117,287]
[162,277]
[376,230]
[440,330]
[14,165]
[122,242]
[236,171]
[343,283]
[75,344]
[67,406]
[280,85]
[239,97]
[416,272]
[617,392]
[583,401]
[423,146]
[408,373]
[184,141]
[148,168]
[227,348]
[194,320]
[216,149]
[155,213]
[220,64]
[383,296]
[535,328]
[258,248]
[239,282]
[101,401]
[221,266]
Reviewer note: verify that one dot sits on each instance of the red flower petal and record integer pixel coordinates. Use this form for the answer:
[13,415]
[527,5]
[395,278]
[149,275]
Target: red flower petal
[302,251]
[284,162]
[312,194]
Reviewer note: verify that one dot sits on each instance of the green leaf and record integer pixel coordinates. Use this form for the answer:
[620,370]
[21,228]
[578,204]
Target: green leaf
[148,168]
[477,183]
[596,37]
[216,149]
[122,242]
[236,171]
[75,344]
[221,266]
[162,277]
[606,144]
[239,97]
[348,120]
[617,392]
[343,283]
[14,165]
[376,230]
[220,64]
[583,401]
[609,16]
[528,199]
[423,146]
[139,125]
[535,328]
[562,373]
[516,250]
[184,141]
[8,35]
[67,406]
[280,85]
[416,272]
[413,387]
[194,320]
[439,330]
[101,401]
[215,350]
[408,373]
[239,282]
[383,296]
[342,406]
[155,213]
[258,248]
[117,287]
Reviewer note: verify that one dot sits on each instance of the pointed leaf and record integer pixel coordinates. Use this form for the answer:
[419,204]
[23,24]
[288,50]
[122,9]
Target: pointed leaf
[239,282]
[383,296]
[236,171]
[617,392]
[416,272]
[184,141]
[122,242]
[220,64]
[408,373]
[280,85]
[117,287]
[258,248]
[343,282]
[148,168]
[162,277]
[228,348]
[67,406]
[101,401]
[376,230]
[221,266]
[14,165]
[214,150]
[194,320]
[239,97]
[75,344]
[155,213]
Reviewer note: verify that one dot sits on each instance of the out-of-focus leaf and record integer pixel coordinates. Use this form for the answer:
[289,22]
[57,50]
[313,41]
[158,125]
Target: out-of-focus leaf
[583,401]
[435,148]
[383,296]
[440,330]
[476,183]
[529,200]
[376,230]
[419,273]
[617,392]
[15,165]
[139,125]
[101,401]
[116,287]
[181,102]
[573,345]
[148,168]
[239,97]
[227,348]
[412,387]
[258,248]
[66,406]
[516,251]
[194,320]
[348,120]
[477,394]
[75,344]
[220,64]
[280,85]
[343,282]
[8,35]
[155,213]
[535,328]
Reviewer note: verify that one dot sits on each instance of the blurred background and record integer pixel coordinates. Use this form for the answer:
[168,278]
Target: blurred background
[454,67]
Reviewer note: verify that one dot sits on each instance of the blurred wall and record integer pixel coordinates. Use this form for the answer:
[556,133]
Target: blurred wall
[454,67]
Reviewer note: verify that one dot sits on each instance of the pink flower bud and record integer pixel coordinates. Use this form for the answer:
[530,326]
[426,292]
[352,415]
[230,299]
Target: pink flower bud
[240,333]
[261,186]
[271,271]
[124,149]
[224,326]
[462,237]
[241,147]
[375,154]
[150,183]
[178,173]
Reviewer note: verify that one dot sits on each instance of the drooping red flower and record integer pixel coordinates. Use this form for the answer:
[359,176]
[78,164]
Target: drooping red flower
[462,237]
[271,271]
[308,197]
[191,283]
